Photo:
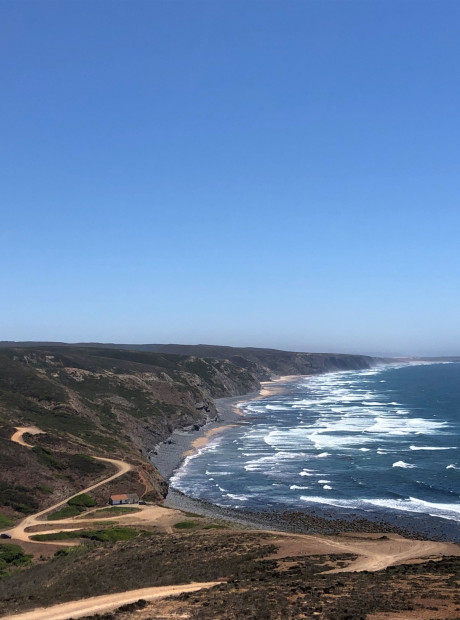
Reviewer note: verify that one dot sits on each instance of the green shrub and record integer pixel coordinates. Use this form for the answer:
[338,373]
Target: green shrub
[12,556]
[83,500]
[46,458]
[185,525]
[17,497]
[45,489]
[5,521]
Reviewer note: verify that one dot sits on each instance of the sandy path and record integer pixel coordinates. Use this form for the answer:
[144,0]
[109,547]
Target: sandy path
[19,532]
[20,431]
[374,552]
[97,604]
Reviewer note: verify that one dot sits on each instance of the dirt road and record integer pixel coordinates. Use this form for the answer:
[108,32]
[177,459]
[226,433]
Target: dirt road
[374,551]
[98,604]
[19,531]
[20,431]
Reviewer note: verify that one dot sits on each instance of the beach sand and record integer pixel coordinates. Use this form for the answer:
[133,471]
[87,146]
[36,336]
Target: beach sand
[277,386]
[170,454]
[201,442]
[183,443]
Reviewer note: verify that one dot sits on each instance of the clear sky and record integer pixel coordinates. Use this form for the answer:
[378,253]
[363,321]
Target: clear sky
[246,172]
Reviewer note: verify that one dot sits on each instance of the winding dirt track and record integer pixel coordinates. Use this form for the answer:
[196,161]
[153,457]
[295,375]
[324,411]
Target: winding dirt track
[373,553]
[97,604]
[17,437]
[19,532]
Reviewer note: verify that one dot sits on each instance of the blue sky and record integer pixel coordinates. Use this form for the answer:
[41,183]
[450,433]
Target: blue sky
[261,173]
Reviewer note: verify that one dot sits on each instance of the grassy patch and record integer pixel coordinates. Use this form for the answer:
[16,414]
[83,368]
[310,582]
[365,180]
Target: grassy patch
[66,512]
[113,511]
[83,501]
[112,535]
[74,507]
[5,521]
[185,525]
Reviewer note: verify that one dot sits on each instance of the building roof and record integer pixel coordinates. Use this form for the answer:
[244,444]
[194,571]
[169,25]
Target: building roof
[119,497]
[132,496]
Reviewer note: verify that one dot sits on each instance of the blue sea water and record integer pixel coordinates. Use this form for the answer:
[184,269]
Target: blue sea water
[380,440]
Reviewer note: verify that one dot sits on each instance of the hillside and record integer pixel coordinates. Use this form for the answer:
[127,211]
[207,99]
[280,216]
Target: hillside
[100,402]
[106,401]
[265,364]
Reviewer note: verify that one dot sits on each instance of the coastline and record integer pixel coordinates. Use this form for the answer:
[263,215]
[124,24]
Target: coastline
[184,443]
[171,453]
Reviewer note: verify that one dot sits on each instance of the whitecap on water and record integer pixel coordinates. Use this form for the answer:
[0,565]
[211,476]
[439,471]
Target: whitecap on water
[403,464]
[412,504]
[432,448]
[240,498]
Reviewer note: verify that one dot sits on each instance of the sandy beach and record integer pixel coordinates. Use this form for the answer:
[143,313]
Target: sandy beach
[276,386]
[171,453]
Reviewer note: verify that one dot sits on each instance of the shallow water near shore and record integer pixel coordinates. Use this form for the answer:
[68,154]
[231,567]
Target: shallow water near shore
[378,442]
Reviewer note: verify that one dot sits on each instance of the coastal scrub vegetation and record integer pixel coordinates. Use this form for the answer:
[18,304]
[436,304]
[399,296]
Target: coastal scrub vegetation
[110,535]
[254,584]
[74,507]
[12,556]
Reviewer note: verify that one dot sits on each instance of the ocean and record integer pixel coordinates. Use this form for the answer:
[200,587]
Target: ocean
[375,443]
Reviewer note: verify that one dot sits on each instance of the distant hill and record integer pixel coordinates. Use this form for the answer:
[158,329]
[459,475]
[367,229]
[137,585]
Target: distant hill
[265,364]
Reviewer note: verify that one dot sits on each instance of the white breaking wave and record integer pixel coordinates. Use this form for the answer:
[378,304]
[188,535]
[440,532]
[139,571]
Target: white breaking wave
[444,511]
[431,448]
[403,464]
[389,425]
[452,466]
[339,503]
[326,487]
[277,408]
[296,486]
[240,498]
[263,463]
